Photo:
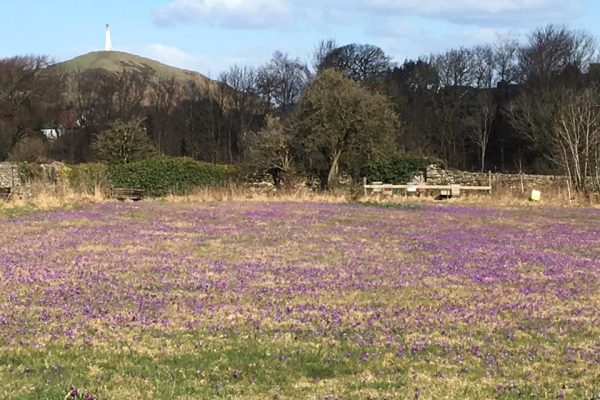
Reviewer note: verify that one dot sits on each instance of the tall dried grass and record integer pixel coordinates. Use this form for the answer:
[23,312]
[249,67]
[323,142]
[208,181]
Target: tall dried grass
[44,196]
[245,193]
[502,197]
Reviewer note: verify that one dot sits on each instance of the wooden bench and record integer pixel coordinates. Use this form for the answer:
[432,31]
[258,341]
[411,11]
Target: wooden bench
[123,194]
[5,193]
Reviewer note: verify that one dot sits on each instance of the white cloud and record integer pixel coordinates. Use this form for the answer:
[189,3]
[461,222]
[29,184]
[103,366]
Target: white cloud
[403,28]
[481,12]
[278,14]
[227,13]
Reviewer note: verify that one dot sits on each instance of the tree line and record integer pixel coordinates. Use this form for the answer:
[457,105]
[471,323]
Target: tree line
[530,105]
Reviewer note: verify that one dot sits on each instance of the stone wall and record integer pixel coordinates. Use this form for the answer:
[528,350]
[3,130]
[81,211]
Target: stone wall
[521,182]
[9,176]
[10,173]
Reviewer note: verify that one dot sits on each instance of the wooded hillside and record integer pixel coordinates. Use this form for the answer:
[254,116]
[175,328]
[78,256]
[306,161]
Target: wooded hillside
[529,105]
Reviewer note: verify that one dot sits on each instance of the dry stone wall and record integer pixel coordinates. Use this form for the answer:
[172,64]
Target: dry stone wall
[16,175]
[522,182]
[9,175]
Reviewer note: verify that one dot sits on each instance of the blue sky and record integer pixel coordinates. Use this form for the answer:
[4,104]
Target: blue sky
[210,35]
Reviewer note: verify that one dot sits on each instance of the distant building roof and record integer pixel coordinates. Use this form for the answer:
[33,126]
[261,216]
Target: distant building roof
[51,133]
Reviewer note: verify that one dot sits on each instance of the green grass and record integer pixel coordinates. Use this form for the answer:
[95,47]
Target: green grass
[200,367]
[203,366]
[194,367]
[15,212]
[29,208]
[390,205]
[115,61]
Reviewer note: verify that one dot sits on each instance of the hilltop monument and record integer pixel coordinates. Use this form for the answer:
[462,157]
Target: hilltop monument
[108,42]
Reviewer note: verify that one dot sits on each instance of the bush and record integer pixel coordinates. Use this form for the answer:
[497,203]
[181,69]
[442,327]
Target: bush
[123,142]
[86,177]
[398,169]
[160,176]
[31,172]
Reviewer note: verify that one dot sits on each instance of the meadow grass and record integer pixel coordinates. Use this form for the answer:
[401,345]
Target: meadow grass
[293,300]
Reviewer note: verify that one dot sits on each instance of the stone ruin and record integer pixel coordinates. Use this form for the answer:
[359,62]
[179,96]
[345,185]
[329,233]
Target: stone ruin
[436,175]
[9,175]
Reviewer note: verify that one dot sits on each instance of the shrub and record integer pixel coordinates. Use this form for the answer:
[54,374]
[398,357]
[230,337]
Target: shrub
[398,169]
[160,176]
[86,177]
[123,142]
[32,172]
[29,172]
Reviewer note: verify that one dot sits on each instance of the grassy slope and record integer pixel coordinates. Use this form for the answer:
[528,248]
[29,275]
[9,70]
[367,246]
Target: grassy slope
[116,60]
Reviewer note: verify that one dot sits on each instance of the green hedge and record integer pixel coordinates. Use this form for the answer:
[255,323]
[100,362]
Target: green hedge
[161,176]
[398,169]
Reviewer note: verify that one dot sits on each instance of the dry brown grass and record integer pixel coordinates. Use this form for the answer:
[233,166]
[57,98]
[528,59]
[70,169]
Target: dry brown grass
[44,196]
[501,197]
[510,197]
[244,193]
[551,195]
[47,197]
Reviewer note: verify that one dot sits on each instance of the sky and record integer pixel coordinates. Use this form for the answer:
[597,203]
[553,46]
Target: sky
[209,36]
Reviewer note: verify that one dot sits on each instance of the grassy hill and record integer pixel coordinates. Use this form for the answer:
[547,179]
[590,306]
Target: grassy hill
[116,61]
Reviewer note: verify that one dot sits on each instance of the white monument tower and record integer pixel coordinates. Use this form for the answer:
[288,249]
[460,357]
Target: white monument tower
[108,42]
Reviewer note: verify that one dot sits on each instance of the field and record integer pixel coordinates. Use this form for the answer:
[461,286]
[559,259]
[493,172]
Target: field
[282,300]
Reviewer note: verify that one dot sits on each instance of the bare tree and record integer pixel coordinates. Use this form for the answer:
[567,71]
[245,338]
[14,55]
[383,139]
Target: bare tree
[531,114]
[416,75]
[132,90]
[94,93]
[167,95]
[456,76]
[480,121]
[31,96]
[361,62]
[200,122]
[550,67]
[577,138]
[551,50]
[411,87]
[506,51]
[282,80]
[455,67]
[321,51]
[244,107]
[484,64]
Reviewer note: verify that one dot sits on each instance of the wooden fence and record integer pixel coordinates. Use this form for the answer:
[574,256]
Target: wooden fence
[444,190]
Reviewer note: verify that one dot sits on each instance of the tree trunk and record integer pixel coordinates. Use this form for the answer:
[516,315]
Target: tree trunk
[483,151]
[502,163]
[333,170]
